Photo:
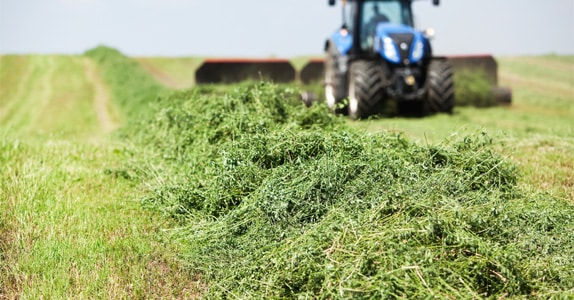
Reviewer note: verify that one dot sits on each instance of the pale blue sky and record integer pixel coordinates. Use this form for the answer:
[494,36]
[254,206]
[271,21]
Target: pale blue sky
[262,28]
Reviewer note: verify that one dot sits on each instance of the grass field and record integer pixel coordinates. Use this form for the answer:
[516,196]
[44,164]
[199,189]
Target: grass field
[252,195]
[68,227]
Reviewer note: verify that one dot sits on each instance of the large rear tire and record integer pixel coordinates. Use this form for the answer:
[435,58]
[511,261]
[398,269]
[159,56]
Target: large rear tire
[335,83]
[366,89]
[440,87]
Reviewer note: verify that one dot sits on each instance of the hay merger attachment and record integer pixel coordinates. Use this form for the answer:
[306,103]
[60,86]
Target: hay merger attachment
[237,70]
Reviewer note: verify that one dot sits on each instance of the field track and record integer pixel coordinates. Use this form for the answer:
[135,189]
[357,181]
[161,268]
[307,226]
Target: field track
[101,97]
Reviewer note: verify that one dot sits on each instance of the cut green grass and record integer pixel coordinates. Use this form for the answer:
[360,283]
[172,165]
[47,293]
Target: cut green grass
[266,198]
[273,210]
[72,228]
[279,201]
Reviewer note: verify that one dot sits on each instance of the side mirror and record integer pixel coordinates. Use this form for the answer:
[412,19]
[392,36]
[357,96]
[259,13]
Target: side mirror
[435,2]
[332,2]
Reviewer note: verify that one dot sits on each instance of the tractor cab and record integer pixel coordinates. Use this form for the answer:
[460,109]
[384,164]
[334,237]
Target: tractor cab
[382,27]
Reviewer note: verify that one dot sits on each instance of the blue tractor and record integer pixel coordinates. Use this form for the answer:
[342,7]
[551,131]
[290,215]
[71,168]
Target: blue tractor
[377,56]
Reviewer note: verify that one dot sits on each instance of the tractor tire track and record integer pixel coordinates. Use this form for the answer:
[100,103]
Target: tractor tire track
[101,97]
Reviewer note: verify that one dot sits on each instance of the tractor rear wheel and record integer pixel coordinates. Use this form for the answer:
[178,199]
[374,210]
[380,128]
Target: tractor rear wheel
[440,88]
[366,89]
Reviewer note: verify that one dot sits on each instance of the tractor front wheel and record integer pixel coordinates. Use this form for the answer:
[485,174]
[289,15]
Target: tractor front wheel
[366,89]
[440,88]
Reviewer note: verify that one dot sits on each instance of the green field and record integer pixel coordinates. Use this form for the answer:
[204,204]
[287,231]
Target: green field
[70,227]
[115,186]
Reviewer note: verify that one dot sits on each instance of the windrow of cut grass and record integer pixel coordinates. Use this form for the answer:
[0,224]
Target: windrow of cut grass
[132,89]
[276,200]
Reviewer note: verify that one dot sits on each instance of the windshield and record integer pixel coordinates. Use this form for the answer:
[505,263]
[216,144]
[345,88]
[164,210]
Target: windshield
[394,11]
[374,12]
